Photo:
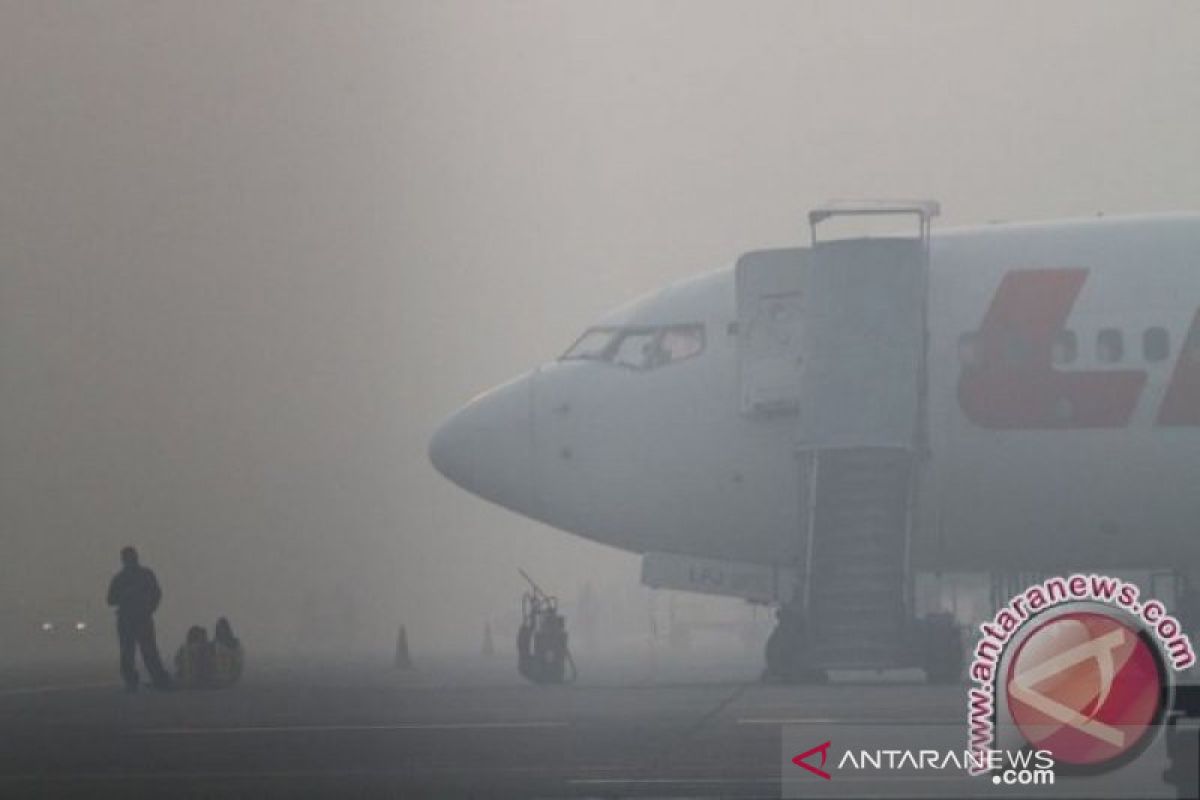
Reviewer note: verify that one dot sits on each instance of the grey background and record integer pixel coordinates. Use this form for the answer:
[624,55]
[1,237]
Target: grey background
[252,253]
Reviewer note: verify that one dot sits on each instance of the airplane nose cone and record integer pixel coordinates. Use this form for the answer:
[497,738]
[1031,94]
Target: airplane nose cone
[487,446]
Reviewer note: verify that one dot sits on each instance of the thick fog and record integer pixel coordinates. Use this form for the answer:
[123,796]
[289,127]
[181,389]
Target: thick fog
[252,253]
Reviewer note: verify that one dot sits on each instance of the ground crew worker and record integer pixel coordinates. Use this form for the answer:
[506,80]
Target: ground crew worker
[227,656]
[136,594]
[193,660]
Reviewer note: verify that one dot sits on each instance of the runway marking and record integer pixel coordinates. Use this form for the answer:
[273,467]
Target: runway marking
[668,781]
[761,780]
[843,721]
[72,687]
[192,775]
[177,775]
[402,726]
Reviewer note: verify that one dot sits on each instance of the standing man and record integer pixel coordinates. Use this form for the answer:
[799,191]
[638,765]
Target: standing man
[135,592]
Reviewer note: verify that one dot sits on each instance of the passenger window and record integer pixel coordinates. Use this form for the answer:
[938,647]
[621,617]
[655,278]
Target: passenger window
[637,350]
[1065,347]
[1110,347]
[1156,345]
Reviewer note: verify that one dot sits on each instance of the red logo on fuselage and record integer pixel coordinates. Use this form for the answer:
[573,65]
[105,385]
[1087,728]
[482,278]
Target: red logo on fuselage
[1180,406]
[1011,383]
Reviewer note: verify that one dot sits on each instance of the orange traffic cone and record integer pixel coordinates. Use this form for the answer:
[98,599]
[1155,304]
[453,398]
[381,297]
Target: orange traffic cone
[402,658]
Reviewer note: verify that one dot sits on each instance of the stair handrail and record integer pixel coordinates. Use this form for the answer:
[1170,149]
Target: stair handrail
[924,209]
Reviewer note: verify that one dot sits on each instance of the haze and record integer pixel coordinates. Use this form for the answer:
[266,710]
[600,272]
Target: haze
[252,254]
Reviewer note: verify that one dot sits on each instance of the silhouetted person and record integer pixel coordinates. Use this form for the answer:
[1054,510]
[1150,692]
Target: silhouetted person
[228,657]
[136,594]
[193,661]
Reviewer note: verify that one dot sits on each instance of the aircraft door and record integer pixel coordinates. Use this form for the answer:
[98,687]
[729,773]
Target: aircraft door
[770,307]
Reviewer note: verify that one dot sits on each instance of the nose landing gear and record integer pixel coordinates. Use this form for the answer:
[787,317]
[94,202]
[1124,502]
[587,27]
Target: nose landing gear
[933,643]
[789,651]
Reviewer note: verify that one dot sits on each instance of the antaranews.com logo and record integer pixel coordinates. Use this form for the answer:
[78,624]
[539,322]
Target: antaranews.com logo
[1087,679]
[1015,768]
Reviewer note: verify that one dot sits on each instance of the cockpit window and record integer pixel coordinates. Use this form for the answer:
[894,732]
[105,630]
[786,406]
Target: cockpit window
[641,347]
[682,342]
[636,349]
[594,345]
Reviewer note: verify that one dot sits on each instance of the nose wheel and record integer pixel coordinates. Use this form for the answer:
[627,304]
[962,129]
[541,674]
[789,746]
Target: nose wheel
[936,645]
[788,652]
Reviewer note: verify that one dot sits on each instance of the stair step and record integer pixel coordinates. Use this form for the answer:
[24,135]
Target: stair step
[868,628]
[863,549]
[849,497]
[876,594]
[834,572]
[868,507]
[857,573]
[864,622]
[861,477]
[832,535]
[850,504]
[857,591]
[879,634]
[872,532]
[864,610]
[862,505]
[860,644]
[880,596]
[889,548]
[857,543]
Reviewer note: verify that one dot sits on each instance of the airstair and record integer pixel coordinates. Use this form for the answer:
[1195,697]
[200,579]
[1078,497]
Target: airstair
[835,335]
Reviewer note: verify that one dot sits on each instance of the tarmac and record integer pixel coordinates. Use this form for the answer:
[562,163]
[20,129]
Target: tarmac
[449,728]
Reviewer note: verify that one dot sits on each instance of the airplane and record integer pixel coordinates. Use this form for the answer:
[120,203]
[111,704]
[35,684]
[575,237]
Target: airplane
[820,427]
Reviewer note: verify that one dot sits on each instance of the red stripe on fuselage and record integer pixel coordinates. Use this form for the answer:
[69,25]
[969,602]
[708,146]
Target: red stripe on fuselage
[1179,406]
[1012,384]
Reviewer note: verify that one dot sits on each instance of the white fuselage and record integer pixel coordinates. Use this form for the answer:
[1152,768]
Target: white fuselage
[1091,460]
